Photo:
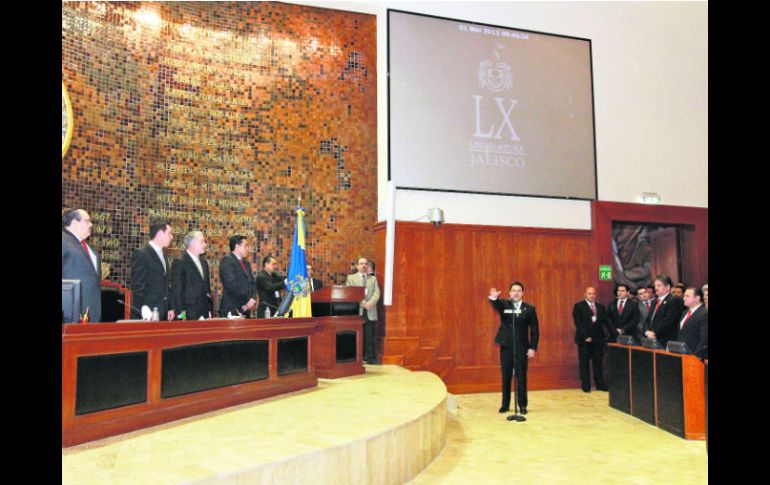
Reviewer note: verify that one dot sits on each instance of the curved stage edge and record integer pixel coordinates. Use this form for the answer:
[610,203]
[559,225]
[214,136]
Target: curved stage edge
[382,427]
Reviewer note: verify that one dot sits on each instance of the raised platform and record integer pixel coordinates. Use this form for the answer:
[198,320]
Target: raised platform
[383,427]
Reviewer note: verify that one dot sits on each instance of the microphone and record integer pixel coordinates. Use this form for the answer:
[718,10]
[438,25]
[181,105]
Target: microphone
[132,306]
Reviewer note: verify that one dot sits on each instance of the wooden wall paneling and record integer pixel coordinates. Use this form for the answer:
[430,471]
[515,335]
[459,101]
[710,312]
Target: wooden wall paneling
[440,319]
[447,314]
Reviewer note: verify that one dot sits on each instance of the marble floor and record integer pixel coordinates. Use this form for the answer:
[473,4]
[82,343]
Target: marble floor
[570,437]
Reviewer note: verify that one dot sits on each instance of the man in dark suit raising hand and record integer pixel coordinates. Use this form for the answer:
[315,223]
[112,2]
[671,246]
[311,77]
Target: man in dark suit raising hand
[518,319]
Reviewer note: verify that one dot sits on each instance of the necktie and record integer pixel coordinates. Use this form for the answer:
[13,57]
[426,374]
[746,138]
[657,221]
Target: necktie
[620,307]
[85,246]
[647,305]
[243,265]
[656,308]
[593,310]
[681,326]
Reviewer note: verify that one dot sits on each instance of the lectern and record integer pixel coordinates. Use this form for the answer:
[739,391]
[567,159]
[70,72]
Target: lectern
[339,349]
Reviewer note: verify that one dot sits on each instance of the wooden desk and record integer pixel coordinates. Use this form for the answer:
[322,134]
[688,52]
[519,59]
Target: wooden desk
[659,387]
[120,377]
[339,350]
[339,347]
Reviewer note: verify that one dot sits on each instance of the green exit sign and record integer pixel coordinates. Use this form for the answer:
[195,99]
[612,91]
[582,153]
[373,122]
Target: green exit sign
[605,272]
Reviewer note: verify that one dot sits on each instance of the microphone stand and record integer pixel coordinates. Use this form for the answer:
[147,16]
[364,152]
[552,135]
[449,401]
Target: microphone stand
[132,307]
[515,416]
[273,307]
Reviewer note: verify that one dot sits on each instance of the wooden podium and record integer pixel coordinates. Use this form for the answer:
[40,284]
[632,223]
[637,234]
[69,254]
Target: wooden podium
[339,337]
[660,388]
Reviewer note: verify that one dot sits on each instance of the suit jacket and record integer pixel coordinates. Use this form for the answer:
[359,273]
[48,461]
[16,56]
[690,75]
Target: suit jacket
[371,295]
[526,323]
[643,311]
[267,285]
[191,292]
[695,332]
[237,285]
[626,320]
[584,327]
[150,283]
[665,322]
[77,265]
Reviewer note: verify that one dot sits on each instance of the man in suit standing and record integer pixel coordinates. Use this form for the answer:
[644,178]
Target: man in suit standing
[666,310]
[238,288]
[269,286]
[517,335]
[678,290]
[367,307]
[590,320]
[694,322]
[315,283]
[622,313]
[190,281]
[643,295]
[151,273]
[79,261]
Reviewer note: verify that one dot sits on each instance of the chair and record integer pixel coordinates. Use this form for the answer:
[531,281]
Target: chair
[112,309]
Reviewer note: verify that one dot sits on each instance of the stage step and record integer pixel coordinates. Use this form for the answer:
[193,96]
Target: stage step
[383,427]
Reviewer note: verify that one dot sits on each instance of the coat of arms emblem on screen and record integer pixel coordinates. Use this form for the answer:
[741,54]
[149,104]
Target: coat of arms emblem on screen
[495,75]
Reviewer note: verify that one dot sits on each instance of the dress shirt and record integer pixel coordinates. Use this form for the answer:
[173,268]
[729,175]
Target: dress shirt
[159,251]
[197,262]
[688,315]
[622,302]
[90,253]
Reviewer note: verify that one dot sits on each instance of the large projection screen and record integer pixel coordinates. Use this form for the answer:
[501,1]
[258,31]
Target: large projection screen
[487,109]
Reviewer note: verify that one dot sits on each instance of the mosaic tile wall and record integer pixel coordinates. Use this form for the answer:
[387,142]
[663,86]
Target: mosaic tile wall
[217,116]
